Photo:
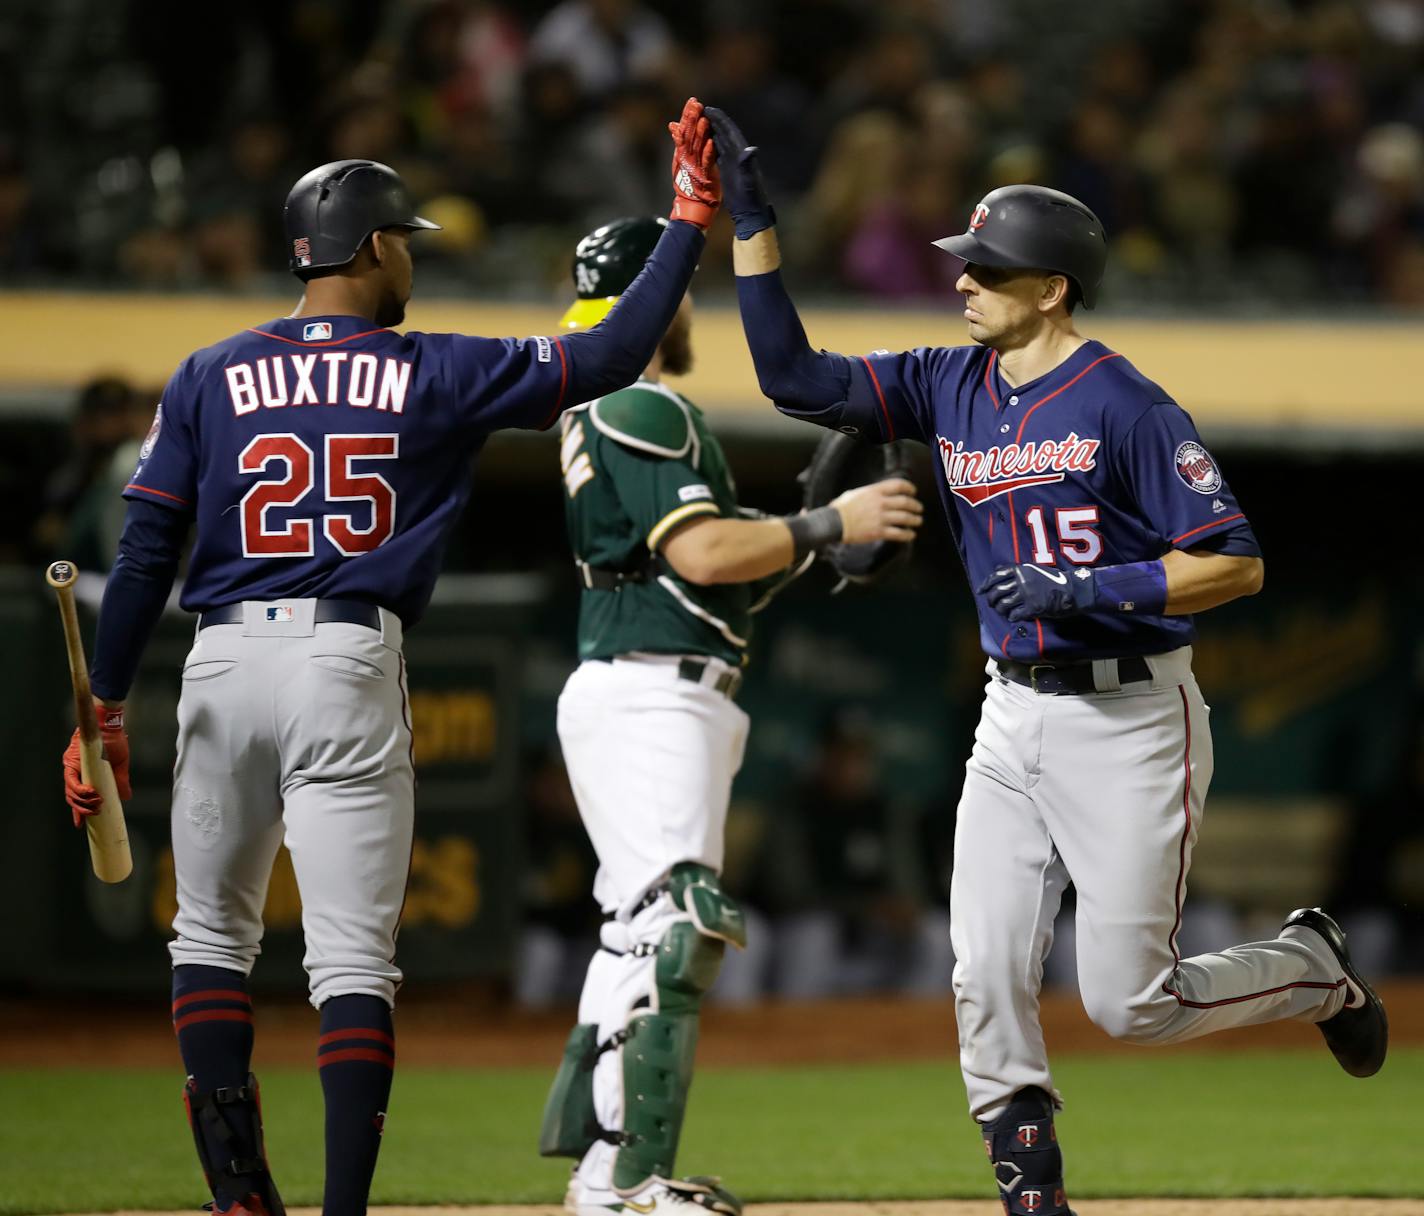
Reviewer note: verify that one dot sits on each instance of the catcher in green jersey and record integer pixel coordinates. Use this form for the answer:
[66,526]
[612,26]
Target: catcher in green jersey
[672,571]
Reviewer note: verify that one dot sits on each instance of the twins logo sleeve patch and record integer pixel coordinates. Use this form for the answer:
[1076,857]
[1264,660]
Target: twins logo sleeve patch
[1197,469]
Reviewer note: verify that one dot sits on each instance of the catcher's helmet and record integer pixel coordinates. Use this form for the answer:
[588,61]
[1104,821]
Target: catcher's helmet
[333,209]
[605,263]
[1035,228]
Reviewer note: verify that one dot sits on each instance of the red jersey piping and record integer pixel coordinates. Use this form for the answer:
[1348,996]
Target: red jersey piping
[563,385]
[262,333]
[1063,388]
[1216,523]
[133,485]
[988,378]
[879,392]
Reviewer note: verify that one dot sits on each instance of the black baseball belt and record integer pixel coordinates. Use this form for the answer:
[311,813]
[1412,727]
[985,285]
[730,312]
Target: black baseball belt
[694,669]
[1070,679]
[600,578]
[347,612]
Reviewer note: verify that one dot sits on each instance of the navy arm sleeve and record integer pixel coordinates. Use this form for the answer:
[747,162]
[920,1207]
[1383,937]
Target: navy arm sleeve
[149,548]
[529,382]
[882,397]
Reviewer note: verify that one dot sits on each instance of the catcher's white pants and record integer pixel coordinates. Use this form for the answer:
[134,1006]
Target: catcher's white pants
[297,729]
[1105,790]
[651,758]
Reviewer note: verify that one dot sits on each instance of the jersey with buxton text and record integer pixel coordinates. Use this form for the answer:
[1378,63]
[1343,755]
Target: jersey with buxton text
[324,457]
[1089,465]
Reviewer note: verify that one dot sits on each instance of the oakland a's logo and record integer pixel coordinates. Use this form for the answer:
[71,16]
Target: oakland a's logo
[976,221]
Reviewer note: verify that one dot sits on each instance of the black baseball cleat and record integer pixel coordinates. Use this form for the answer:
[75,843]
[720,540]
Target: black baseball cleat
[1359,1033]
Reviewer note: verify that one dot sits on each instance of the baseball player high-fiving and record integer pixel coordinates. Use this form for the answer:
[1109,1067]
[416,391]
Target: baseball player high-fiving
[1092,523]
[652,736]
[323,458]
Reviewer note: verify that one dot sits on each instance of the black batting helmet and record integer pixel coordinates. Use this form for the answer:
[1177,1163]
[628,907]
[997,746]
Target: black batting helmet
[605,264]
[1035,228]
[333,209]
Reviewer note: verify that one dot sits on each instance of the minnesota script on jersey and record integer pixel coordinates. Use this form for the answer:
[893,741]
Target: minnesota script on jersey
[322,457]
[1089,465]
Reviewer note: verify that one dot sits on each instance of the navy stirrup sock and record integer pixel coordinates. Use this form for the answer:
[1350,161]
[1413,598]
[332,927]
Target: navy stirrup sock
[212,1017]
[356,1055]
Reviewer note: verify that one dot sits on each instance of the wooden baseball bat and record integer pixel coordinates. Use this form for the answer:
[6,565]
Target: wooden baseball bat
[108,832]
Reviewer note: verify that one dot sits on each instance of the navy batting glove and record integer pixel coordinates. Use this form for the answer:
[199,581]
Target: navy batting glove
[1021,593]
[743,191]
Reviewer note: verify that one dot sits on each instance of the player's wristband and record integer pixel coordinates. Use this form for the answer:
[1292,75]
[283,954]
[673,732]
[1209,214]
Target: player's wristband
[1136,587]
[812,531]
[111,717]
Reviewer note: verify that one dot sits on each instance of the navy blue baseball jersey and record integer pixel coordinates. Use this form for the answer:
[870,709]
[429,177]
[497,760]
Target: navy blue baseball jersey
[1091,464]
[321,456]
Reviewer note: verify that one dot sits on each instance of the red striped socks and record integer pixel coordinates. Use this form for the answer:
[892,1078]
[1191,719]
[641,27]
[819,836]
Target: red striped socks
[356,1054]
[212,1017]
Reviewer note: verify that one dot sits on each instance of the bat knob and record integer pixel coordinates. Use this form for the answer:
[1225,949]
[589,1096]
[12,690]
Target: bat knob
[61,574]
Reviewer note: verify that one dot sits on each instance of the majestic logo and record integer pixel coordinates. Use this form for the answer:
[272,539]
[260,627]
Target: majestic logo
[976,221]
[1031,1200]
[317,331]
[146,450]
[1196,467]
[1028,1132]
[978,476]
[301,250]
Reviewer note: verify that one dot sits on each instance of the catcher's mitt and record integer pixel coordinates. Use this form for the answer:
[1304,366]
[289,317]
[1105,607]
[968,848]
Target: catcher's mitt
[841,462]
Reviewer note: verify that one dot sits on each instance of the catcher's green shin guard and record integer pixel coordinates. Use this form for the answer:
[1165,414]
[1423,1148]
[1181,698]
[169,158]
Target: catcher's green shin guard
[697,890]
[657,1057]
[570,1126]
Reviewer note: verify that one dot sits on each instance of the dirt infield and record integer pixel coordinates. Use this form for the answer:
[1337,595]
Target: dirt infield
[1101,1207]
[449,1030]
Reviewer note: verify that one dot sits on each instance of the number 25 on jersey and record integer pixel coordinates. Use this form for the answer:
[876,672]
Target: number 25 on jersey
[288,470]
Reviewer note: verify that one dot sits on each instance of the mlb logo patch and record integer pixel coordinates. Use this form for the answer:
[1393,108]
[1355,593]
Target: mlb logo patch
[301,251]
[317,331]
[279,612]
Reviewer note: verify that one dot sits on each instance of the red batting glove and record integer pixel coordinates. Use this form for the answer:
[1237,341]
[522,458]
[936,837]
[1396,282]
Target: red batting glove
[697,187]
[84,799]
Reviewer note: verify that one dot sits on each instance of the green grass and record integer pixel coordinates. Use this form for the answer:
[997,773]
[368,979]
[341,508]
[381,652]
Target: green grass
[1149,1124]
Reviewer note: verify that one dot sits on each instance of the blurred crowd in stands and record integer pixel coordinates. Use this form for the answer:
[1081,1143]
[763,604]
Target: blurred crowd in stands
[1239,152]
